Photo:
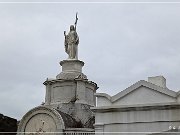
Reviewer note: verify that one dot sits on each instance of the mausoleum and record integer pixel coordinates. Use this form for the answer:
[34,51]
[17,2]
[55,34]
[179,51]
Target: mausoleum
[68,98]
[144,108]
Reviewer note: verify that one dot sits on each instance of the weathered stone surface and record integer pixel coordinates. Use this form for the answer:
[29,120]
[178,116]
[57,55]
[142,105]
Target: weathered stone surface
[80,112]
[69,121]
[144,107]
[7,124]
[158,80]
[67,102]
[90,123]
[68,97]
[71,69]
[45,119]
[71,41]
[41,119]
[67,91]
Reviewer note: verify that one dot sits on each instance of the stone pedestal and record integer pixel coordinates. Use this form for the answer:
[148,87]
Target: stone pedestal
[71,91]
[71,69]
[67,103]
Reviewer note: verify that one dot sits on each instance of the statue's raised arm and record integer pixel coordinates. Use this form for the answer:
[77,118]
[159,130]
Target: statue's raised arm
[71,41]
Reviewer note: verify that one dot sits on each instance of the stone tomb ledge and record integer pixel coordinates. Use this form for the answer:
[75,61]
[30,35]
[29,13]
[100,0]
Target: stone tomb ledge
[137,118]
[140,107]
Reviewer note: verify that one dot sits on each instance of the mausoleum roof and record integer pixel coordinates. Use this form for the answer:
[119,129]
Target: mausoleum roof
[135,86]
[153,91]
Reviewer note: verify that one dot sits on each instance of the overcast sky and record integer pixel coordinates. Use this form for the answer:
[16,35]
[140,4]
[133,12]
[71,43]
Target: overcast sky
[120,43]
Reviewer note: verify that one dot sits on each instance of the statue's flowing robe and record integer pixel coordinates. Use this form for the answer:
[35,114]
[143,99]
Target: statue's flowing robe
[71,43]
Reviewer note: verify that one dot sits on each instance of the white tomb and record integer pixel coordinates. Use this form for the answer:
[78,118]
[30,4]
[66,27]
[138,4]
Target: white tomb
[145,107]
[68,99]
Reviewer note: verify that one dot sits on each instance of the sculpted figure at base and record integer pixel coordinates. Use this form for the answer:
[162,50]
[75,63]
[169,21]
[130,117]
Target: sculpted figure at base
[71,42]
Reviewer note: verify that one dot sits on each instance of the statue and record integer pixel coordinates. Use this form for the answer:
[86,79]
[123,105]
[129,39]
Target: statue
[71,41]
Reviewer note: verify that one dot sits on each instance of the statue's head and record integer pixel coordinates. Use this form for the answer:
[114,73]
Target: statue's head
[72,28]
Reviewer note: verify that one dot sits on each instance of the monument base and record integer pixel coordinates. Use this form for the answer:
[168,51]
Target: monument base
[71,69]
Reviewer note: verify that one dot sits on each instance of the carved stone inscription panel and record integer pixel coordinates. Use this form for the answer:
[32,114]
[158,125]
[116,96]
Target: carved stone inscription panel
[41,123]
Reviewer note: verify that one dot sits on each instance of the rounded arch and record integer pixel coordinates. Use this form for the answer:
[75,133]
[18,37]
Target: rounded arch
[41,110]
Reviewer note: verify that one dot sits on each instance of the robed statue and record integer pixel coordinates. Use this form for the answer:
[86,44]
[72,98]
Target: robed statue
[71,42]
